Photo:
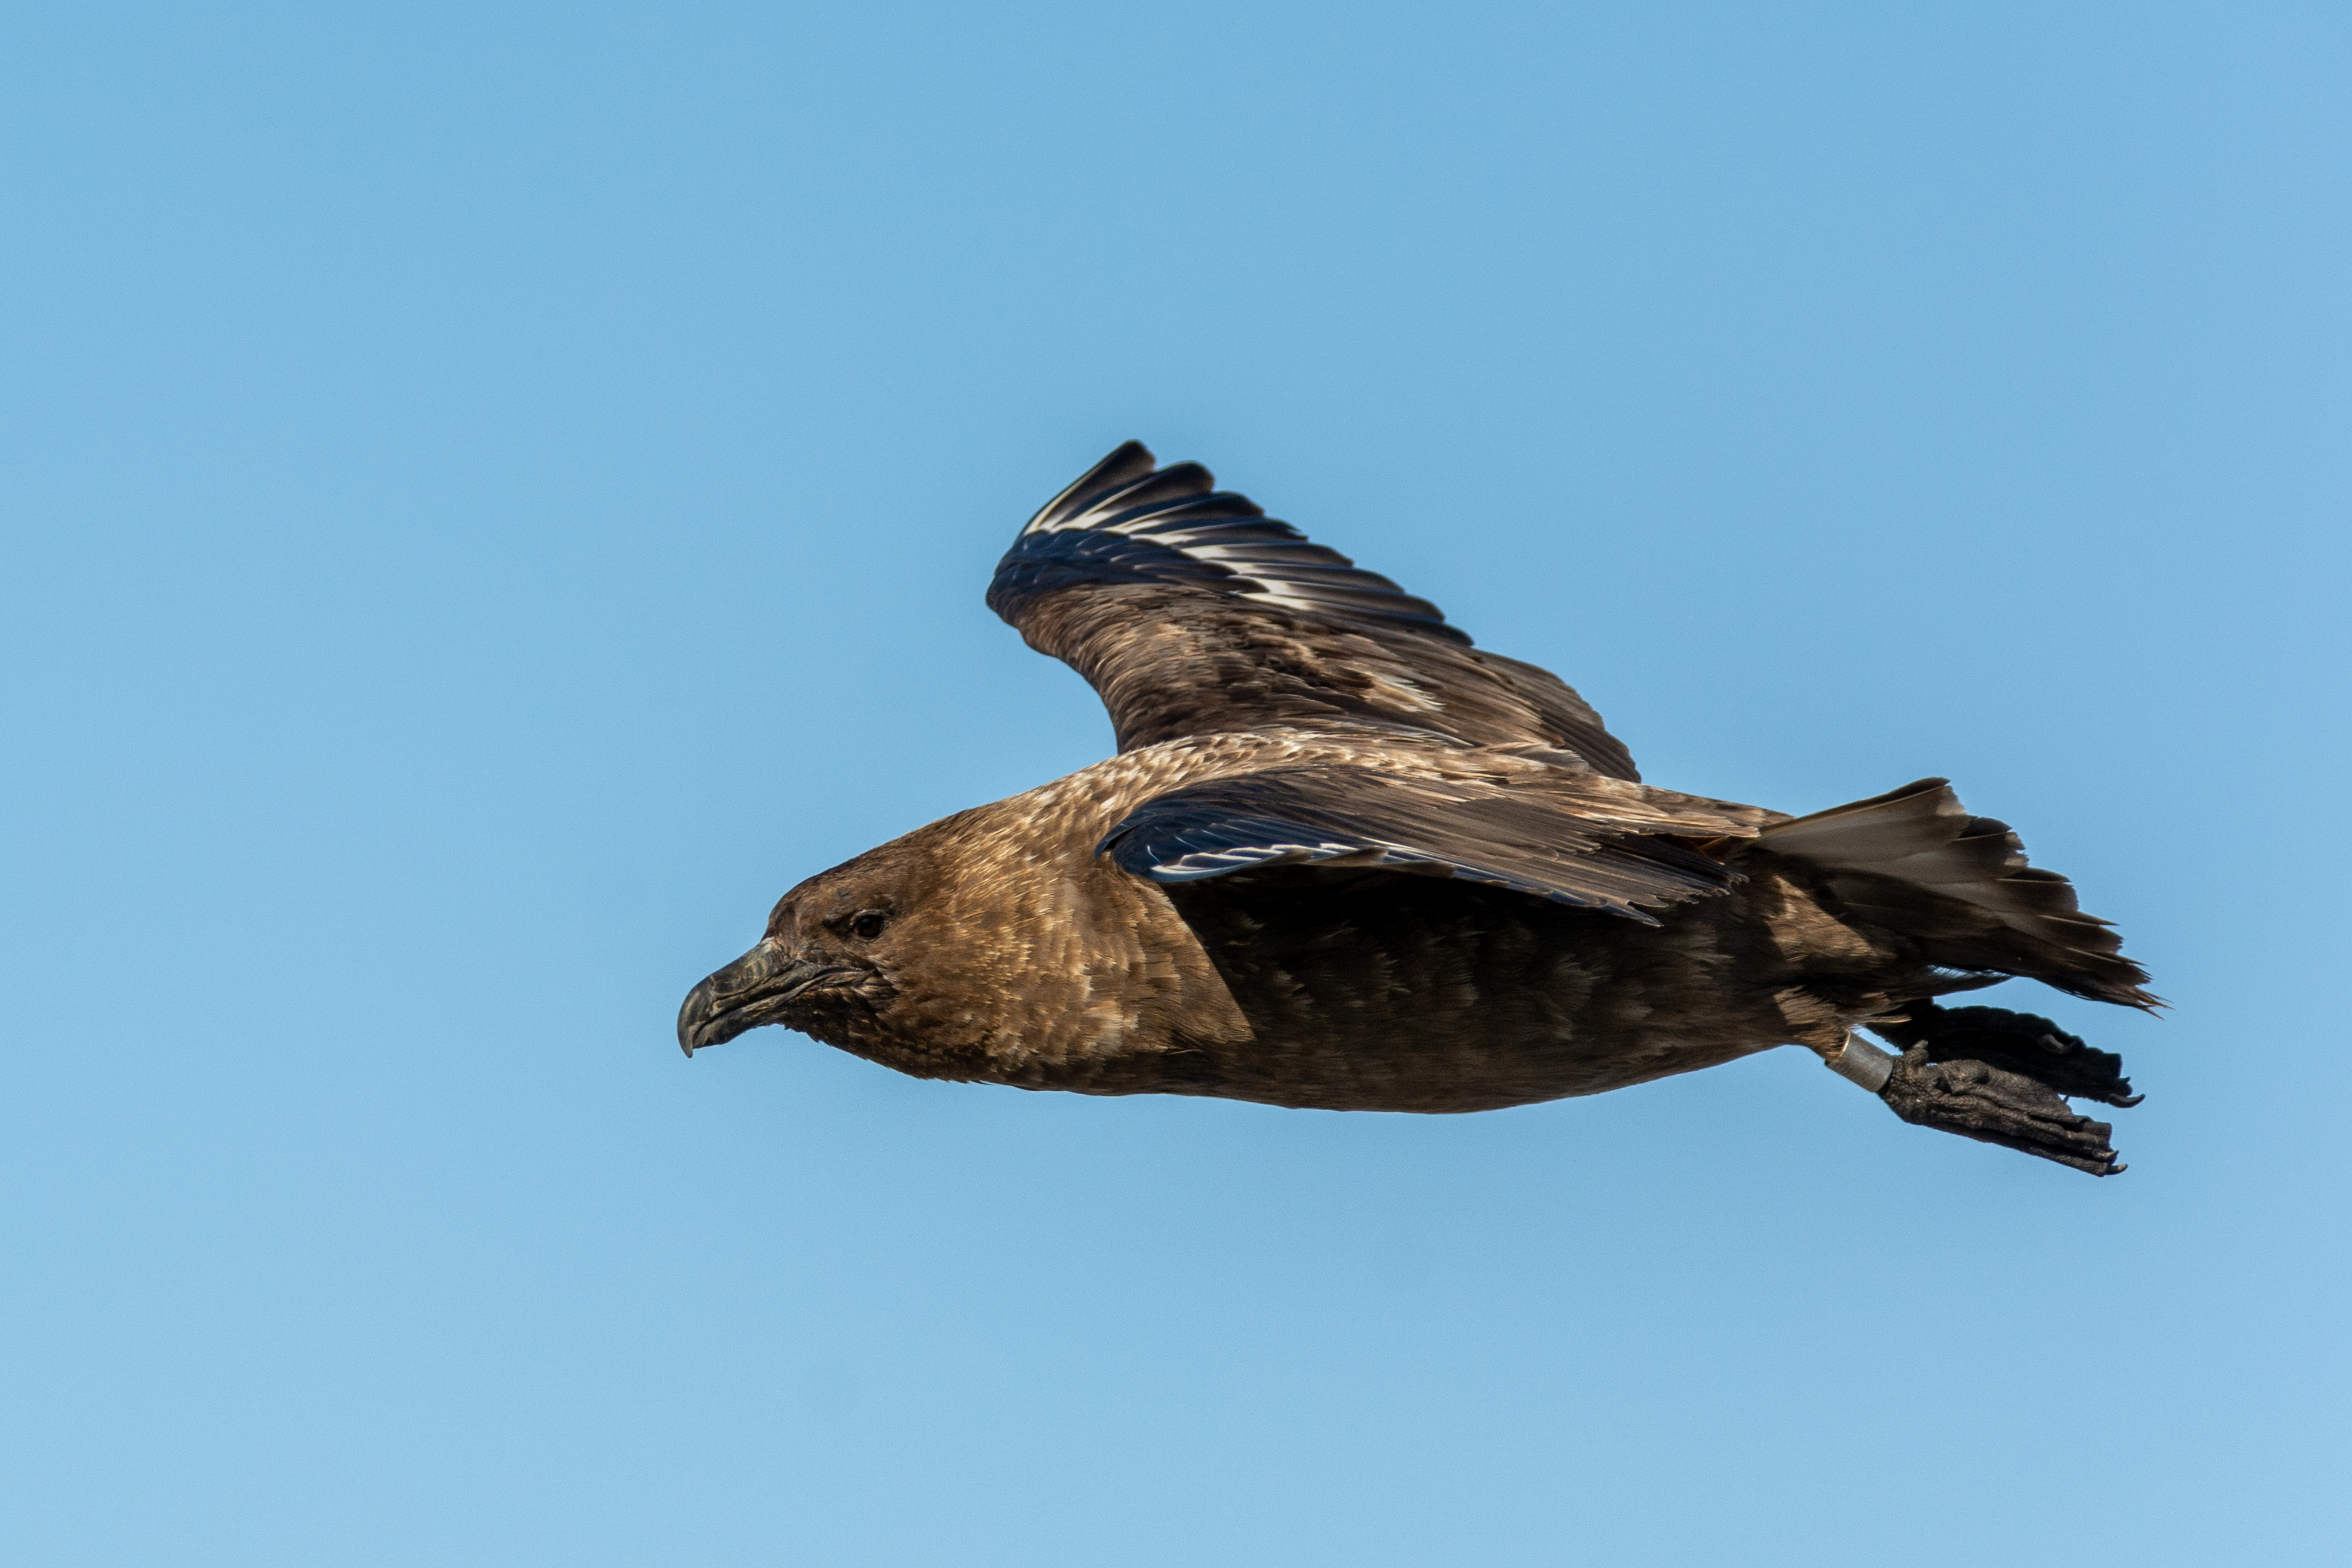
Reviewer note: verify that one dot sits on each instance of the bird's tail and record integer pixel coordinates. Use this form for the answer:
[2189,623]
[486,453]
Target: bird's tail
[1914,862]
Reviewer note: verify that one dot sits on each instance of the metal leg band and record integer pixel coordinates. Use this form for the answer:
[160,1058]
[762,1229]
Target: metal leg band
[1863,1063]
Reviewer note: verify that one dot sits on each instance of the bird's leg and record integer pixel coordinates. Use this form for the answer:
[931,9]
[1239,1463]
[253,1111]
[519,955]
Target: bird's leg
[1997,1076]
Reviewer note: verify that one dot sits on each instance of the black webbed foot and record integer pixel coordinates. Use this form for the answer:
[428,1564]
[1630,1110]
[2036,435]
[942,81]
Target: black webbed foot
[1981,1102]
[2003,1078]
[2023,1043]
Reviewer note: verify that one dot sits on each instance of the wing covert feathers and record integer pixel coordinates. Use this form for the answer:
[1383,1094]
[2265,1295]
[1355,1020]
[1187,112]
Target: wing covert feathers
[1914,862]
[1192,612]
[1615,852]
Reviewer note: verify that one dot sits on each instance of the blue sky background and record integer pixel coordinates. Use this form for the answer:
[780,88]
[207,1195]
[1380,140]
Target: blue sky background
[495,495]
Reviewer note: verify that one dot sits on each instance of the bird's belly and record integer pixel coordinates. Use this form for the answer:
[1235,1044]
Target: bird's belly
[1445,997]
[1471,1067]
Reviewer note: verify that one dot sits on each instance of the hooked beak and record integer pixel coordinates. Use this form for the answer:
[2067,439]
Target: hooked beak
[759,988]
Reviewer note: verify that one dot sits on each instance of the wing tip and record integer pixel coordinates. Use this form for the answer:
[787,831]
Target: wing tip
[1121,466]
[1219,539]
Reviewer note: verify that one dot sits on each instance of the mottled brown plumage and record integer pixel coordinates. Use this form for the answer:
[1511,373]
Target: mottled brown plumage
[1345,860]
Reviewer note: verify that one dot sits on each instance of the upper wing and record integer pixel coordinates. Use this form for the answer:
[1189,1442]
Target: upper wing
[1191,612]
[1612,851]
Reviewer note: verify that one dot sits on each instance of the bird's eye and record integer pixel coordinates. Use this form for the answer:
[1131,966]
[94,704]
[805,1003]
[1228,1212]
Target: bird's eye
[867,927]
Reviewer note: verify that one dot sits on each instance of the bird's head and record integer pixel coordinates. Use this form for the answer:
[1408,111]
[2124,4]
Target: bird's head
[910,955]
[836,958]
[979,946]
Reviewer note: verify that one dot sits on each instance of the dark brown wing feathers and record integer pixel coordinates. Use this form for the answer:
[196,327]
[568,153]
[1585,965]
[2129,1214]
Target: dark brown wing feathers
[1549,842]
[1192,612]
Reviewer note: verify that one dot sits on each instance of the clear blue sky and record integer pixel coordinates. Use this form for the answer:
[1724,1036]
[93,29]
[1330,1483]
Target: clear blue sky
[495,495]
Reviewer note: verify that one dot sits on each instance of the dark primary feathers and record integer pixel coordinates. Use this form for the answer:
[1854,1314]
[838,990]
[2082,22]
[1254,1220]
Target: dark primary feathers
[1345,860]
[1191,612]
[1124,521]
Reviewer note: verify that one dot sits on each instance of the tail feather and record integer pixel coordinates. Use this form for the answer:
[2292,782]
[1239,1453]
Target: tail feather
[1914,861]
